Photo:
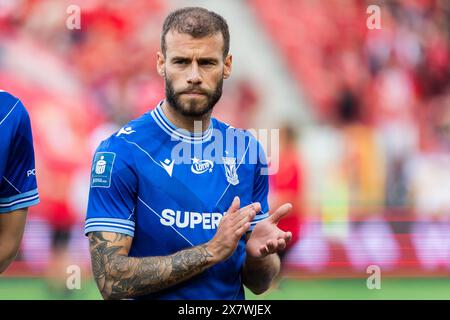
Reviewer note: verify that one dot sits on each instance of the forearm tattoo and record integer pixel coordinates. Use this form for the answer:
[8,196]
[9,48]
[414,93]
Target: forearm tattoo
[119,276]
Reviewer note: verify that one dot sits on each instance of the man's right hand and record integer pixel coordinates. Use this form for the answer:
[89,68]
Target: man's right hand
[231,228]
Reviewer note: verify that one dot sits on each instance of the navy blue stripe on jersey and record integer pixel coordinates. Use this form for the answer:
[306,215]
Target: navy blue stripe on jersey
[18,197]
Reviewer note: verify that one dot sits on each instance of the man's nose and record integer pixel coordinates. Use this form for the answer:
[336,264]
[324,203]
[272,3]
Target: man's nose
[194,75]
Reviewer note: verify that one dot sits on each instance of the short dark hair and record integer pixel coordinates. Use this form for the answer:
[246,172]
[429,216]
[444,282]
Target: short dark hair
[197,22]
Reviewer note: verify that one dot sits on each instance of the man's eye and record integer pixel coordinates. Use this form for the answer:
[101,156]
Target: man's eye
[180,62]
[206,63]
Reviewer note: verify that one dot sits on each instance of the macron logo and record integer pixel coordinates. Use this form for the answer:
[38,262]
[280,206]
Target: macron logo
[125,130]
[168,166]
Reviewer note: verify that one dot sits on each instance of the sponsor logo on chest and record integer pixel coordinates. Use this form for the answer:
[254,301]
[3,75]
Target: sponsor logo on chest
[201,166]
[187,219]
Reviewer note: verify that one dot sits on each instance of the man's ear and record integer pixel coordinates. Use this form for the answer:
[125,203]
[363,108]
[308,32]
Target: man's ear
[227,66]
[160,64]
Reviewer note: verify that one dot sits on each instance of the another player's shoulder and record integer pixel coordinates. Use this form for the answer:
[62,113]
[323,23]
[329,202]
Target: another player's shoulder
[11,108]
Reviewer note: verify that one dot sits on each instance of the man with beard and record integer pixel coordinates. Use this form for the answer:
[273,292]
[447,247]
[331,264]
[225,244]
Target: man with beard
[178,200]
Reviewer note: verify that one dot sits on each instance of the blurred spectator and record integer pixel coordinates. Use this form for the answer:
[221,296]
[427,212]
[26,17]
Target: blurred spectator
[287,185]
[363,165]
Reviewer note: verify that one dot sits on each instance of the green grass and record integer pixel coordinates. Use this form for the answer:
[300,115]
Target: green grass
[288,289]
[37,289]
[356,289]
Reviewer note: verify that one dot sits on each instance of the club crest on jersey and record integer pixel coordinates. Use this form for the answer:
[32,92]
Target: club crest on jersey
[200,166]
[102,168]
[231,170]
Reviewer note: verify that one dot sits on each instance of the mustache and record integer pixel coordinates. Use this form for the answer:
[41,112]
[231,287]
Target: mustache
[194,90]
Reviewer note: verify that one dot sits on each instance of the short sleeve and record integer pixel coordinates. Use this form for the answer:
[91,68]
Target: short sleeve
[260,186]
[18,186]
[113,191]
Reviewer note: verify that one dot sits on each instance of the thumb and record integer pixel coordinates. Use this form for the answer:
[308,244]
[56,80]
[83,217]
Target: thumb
[280,212]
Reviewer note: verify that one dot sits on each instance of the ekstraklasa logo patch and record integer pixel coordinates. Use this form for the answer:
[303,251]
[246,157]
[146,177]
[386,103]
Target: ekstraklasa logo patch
[102,169]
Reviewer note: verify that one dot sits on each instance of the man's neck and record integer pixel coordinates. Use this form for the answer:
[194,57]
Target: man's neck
[185,122]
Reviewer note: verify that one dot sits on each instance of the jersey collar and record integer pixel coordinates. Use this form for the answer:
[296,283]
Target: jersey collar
[178,133]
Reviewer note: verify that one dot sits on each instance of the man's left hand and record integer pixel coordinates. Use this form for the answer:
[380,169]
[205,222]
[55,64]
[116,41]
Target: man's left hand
[266,238]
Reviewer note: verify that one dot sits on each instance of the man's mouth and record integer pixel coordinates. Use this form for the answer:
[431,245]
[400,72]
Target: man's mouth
[194,93]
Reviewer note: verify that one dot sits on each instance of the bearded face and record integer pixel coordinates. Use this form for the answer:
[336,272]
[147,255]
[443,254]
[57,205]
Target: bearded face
[193,71]
[193,101]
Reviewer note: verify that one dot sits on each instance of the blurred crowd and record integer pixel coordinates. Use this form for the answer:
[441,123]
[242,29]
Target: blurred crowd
[380,154]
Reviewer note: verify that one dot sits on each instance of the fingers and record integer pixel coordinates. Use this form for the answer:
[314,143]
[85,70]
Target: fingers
[241,230]
[245,216]
[239,219]
[250,209]
[234,205]
[264,251]
[288,236]
[283,240]
[281,245]
[280,212]
[273,246]
[255,206]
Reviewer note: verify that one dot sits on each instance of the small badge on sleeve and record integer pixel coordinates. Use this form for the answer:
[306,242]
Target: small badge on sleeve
[102,169]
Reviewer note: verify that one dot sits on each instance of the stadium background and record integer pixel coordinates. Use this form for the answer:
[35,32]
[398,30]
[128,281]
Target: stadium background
[370,109]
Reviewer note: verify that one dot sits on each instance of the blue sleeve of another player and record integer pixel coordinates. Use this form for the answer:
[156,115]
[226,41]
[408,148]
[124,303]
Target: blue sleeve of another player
[260,186]
[18,184]
[113,191]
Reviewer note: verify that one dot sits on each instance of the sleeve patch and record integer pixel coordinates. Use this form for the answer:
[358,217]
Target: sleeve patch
[102,169]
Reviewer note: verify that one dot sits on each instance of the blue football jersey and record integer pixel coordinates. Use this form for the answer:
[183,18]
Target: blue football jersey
[18,188]
[169,188]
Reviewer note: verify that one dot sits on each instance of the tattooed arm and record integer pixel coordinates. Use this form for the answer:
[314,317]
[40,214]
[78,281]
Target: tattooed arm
[119,276]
